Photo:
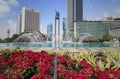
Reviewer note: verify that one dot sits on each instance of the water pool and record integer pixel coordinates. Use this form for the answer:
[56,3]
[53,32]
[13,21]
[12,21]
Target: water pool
[47,44]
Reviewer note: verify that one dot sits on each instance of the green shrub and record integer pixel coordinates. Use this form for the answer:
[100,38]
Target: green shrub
[5,52]
[8,51]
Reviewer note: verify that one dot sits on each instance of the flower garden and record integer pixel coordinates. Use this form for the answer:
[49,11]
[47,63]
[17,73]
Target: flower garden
[19,64]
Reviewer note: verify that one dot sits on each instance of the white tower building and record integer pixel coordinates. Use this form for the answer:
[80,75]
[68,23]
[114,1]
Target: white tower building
[19,23]
[30,20]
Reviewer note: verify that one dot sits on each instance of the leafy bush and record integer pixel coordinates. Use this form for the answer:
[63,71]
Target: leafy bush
[5,52]
[91,40]
[97,39]
[8,51]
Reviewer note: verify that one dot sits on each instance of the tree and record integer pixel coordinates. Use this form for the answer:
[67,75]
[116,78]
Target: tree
[14,37]
[8,32]
[1,40]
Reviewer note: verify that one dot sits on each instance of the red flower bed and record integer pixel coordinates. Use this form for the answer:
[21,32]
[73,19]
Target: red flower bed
[40,65]
[18,64]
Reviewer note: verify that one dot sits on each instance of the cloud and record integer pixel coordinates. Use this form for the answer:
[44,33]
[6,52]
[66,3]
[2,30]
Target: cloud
[106,14]
[12,2]
[6,12]
[11,25]
[43,29]
[101,17]
[5,6]
[3,33]
[97,18]
[117,11]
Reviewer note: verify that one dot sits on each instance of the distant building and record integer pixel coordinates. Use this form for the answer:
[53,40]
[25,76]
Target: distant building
[108,19]
[64,28]
[74,13]
[49,32]
[19,23]
[30,20]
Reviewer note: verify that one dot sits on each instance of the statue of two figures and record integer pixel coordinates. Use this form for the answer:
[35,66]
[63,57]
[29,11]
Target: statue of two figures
[57,15]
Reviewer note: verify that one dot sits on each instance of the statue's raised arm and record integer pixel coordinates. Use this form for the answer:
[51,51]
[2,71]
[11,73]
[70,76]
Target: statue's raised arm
[57,13]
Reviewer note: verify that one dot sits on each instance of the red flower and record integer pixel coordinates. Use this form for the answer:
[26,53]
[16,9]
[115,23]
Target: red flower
[75,75]
[97,69]
[62,68]
[35,77]
[3,76]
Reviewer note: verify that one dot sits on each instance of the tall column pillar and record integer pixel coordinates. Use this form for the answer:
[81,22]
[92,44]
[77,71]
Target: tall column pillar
[55,61]
[55,32]
[58,31]
[57,19]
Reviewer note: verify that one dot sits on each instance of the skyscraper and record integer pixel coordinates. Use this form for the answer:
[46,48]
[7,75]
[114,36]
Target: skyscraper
[49,32]
[78,10]
[19,23]
[74,14]
[30,20]
[64,28]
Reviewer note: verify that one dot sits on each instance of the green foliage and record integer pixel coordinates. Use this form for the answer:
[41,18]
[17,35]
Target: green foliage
[17,49]
[89,57]
[119,38]
[112,59]
[8,51]
[5,52]
[106,38]
[98,39]
[91,40]
[14,37]
[1,41]
[9,39]
[28,73]
[75,56]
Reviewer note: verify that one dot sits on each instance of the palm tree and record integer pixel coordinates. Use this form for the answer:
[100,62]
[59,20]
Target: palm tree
[8,32]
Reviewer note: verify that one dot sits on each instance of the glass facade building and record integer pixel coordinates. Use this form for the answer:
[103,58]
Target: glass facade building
[94,28]
[64,28]
[49,32]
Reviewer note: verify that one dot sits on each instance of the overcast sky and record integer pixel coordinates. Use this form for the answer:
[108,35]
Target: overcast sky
[92,10]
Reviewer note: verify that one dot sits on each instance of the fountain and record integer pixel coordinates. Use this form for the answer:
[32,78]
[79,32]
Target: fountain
[31,37]
[82,36]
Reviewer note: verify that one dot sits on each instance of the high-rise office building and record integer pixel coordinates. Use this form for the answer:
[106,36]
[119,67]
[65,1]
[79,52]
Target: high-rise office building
[74,14]
[49,32]
[30,20]
[78,10]
[64,28]
[19,23]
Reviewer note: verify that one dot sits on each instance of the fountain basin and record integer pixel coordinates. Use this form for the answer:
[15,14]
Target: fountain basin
[62,45]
